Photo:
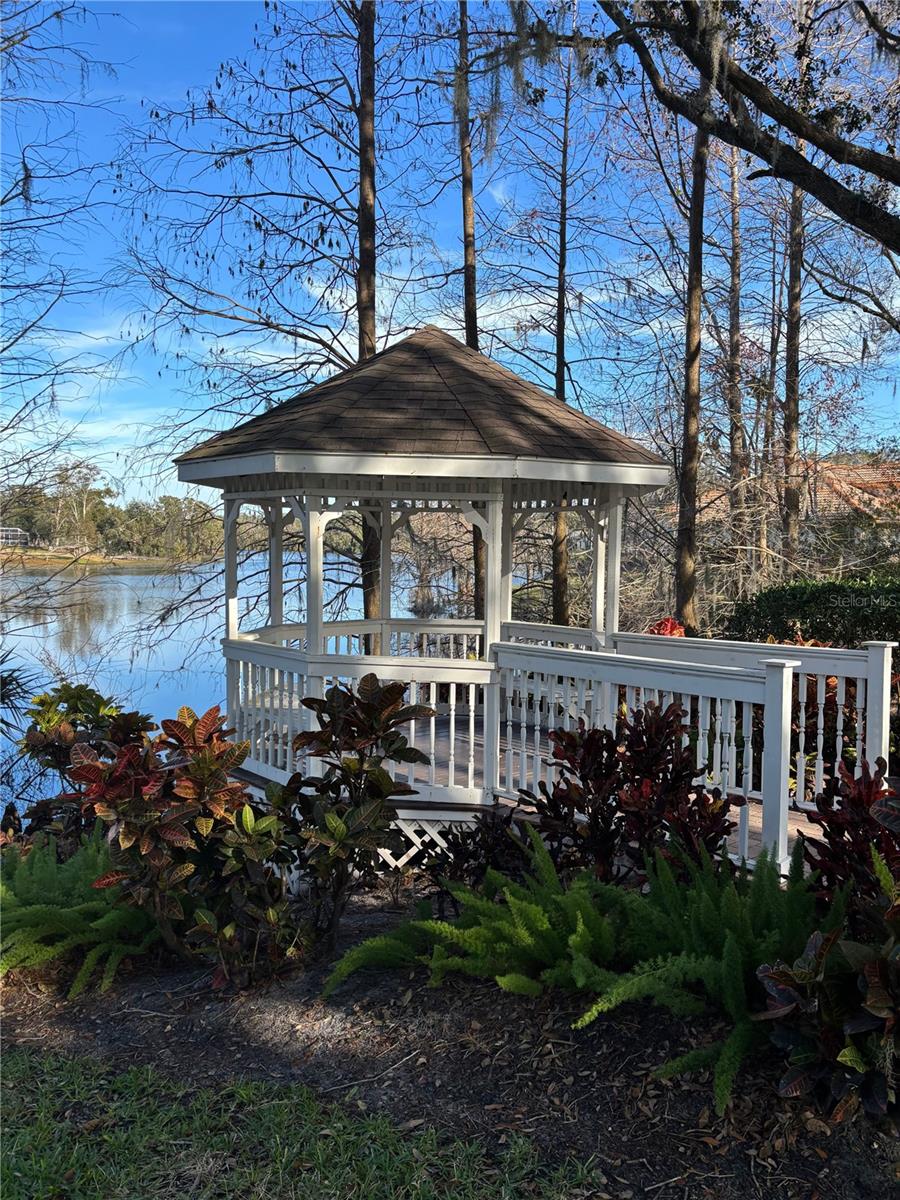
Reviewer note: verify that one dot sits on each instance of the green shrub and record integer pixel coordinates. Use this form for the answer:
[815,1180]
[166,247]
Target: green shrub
[189,848]
[835,1010]
[346,808]
[525,936]
[61,724]
[51,912]
[841,612]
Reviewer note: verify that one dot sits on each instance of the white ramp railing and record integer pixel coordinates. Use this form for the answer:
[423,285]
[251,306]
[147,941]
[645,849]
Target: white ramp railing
[758,716]
[737,721]
[840,701]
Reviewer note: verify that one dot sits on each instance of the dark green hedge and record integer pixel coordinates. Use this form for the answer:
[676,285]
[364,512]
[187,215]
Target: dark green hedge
[843,612]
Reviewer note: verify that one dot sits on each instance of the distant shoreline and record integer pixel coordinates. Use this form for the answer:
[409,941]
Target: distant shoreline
[32,556]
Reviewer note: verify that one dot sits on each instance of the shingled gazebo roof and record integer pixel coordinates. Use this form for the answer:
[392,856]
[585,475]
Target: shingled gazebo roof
[428,395]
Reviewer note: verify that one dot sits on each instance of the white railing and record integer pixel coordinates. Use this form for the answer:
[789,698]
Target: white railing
[839,701]
[563,636]
[755,714]
[734,719]
[405,637]
[267,685]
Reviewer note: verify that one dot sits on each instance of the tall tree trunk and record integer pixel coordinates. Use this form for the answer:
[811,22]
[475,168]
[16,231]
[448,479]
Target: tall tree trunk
[561,614]
[463,123]
[766,420]
[470,290]
[737,443]
[365,286]
[370,565]
[793,474]
[689,473]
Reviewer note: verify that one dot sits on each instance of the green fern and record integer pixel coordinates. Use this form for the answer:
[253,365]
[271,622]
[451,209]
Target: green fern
[708,937]
[72,918]
[38,878]
[526,937]
[681,946]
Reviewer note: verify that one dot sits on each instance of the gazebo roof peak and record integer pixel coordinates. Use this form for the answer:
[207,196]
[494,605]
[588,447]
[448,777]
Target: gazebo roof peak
[427,395]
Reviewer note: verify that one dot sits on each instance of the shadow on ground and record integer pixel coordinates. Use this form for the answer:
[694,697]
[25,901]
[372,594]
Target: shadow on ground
[472,1061]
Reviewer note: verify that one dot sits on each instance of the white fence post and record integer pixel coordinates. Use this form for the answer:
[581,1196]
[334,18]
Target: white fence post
[878,699]
[776,757]
[491,736]
[232,692]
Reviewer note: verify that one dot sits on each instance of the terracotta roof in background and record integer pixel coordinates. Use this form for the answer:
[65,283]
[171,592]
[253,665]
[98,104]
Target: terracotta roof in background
[832,491]
[428,394]
[870,489]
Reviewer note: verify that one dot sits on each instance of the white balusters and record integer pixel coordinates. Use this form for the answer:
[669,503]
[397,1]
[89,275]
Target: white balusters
[451,765]
[471,747]
[860,707]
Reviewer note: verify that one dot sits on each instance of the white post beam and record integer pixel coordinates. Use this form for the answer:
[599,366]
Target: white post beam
[493,600]
[314,529]
[614,560]
[276,563]
[776,757]
[507,535]
[878,700]
[598,573]
[386,537]
[232,511]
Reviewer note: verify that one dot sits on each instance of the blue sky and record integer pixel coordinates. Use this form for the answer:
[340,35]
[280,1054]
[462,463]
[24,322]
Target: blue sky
[159,50]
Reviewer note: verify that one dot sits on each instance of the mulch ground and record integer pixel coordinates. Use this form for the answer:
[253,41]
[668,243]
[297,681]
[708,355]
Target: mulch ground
[472,1061]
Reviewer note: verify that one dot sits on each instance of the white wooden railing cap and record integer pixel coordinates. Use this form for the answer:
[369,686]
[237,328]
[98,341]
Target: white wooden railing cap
[866,645]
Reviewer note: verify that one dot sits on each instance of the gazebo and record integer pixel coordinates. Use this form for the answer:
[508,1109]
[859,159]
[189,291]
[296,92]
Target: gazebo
[429,424]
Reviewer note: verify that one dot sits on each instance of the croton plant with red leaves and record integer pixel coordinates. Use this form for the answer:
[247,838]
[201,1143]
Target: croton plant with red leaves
[854,815]
[188,844]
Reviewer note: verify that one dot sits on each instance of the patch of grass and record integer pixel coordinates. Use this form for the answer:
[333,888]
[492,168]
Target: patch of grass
[74,1131]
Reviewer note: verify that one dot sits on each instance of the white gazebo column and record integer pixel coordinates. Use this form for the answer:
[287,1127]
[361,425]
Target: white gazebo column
[507,535]
[598,573]
[274,520]
[493,602]
[613,560]
[232,511]
[314,531]
[232,668]
[387,532]
[493,597]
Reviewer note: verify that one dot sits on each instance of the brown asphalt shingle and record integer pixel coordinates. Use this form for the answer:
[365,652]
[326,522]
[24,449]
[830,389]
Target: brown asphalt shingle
[428,394]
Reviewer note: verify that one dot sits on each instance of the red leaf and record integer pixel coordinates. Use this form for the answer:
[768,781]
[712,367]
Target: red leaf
[81,754]
[208,724]
[110,879]
[176,730]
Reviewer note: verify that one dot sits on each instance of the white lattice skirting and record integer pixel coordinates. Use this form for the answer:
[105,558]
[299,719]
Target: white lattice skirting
[419,839]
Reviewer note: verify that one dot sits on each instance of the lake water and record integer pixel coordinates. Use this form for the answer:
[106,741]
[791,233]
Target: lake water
[138,635]
[150,638]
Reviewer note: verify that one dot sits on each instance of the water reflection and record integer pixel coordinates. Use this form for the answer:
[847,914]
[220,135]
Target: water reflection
[150,637]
